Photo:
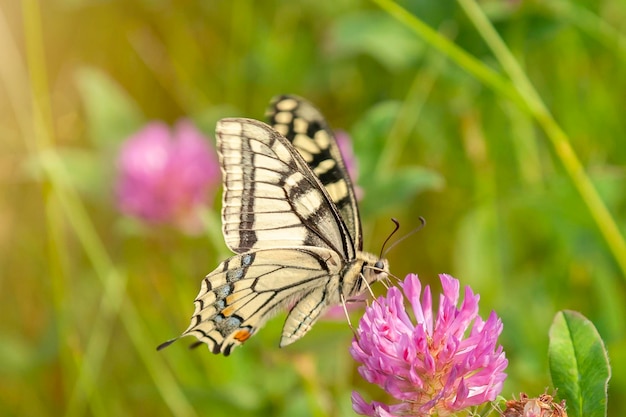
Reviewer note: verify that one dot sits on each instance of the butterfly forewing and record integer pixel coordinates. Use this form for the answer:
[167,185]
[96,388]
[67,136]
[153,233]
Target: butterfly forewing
[305,127]
[270,197]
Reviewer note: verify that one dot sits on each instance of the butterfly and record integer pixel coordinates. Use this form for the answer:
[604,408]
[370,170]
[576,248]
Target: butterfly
[290,215]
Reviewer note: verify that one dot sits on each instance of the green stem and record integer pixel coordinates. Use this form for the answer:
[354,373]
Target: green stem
[59,185]
[409,114]
[475,67]
[522,93]
[558,138]
[591,24]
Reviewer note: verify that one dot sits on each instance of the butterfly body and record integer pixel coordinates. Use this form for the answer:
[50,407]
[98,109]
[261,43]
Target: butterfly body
[289,213]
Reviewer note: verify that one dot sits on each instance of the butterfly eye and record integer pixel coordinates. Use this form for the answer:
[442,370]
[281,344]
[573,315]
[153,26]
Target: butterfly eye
[380,266]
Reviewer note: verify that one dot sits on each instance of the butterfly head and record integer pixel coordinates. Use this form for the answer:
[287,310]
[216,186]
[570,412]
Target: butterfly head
[366,269]
[376,272]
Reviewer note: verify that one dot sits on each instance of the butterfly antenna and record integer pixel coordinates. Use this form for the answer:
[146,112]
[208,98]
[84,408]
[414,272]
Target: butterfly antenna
[382,250]
[412,232]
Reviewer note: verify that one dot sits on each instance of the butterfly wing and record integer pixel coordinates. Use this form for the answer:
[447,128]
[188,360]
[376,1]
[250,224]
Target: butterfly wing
[271,198]
[305,127]
[294,247]
[242,293]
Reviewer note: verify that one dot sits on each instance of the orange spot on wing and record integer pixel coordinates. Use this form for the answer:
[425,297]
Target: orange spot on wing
[228,311]
[242,335]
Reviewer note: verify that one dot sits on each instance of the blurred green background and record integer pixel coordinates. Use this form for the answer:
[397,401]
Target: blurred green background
[459,139]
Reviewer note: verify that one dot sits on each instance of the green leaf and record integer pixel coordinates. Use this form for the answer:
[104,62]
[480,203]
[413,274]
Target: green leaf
[579,365]
[389,191]
[476,249]
[87,171]
[372,33]
[371,134]
[112,115]
[392,187]
[17,356]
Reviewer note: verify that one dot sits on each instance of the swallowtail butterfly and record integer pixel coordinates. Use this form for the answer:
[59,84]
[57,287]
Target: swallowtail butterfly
[289,213]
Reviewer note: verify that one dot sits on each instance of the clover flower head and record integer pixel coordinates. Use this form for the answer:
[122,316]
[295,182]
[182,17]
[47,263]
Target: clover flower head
[165,175]
[344,142]
[431,365]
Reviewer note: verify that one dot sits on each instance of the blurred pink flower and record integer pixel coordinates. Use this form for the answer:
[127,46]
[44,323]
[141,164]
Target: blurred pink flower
[432,369]
[164,176]
[344,141]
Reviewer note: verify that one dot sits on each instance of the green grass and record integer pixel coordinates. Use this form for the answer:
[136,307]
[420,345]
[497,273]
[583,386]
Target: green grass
[499,122]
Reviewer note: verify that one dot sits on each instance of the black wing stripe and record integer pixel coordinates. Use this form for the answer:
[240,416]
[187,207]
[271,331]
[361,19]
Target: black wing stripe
[305,127]
[259,162]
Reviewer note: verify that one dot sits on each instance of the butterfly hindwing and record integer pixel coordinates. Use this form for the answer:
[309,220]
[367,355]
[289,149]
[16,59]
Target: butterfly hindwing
[242,293]
[305,127]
